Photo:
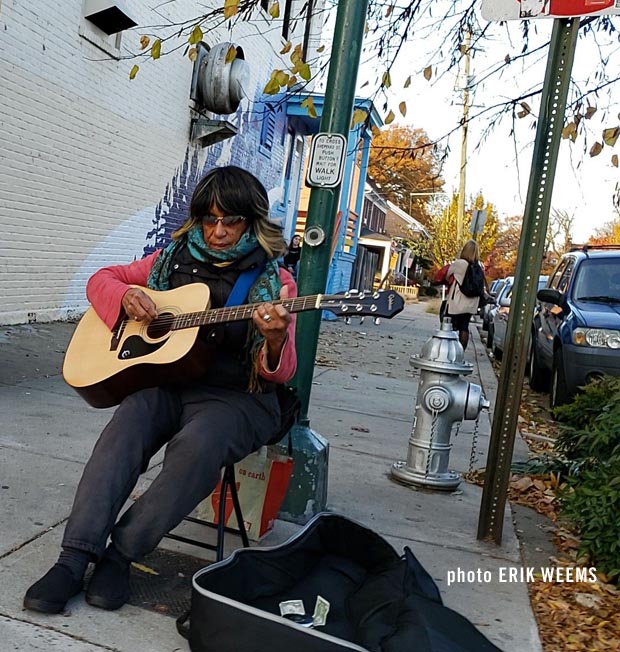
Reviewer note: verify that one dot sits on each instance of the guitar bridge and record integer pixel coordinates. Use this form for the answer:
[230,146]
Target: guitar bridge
[117,334]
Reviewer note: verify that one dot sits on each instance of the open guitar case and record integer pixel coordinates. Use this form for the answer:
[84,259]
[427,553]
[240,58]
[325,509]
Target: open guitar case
[379,601]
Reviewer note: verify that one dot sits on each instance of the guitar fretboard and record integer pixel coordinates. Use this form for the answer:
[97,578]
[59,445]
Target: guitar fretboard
[243,312]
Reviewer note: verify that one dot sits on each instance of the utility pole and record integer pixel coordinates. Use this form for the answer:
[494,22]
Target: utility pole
[308,488]
[460,213]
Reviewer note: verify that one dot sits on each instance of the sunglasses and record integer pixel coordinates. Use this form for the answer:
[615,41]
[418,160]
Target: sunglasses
[227,220]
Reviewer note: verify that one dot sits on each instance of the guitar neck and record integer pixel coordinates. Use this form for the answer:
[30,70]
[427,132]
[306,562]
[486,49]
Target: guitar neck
[243,312]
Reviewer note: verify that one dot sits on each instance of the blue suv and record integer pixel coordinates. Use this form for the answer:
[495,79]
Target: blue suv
[576,327]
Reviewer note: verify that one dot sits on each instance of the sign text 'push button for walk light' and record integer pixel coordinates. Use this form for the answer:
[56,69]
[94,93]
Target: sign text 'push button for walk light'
[326,166]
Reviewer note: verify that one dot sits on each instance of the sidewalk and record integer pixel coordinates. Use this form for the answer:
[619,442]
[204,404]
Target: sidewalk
[362,403]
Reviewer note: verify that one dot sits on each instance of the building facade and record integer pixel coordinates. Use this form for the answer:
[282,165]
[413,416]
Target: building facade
[98,169]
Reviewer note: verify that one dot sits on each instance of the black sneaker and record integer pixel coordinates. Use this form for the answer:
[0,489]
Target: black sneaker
[52,592]
[109,585]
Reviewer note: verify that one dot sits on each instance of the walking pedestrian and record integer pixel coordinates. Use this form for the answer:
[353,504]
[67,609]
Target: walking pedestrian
[464,293]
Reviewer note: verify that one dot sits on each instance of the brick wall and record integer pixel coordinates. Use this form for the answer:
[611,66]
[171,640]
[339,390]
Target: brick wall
[96,169]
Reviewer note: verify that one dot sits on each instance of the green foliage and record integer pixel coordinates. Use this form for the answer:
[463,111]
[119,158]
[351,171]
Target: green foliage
[543,464]
[591,502]
[591,422]
[590,498]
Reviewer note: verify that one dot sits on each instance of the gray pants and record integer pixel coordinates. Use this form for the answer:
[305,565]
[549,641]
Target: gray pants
[205,428]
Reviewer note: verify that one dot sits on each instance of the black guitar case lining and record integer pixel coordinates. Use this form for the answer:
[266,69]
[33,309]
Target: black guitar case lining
[379,602]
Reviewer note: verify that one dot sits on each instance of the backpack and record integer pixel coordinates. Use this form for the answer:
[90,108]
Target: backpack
[473,281]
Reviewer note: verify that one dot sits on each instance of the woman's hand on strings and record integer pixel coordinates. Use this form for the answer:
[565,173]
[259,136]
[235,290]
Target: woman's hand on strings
[138,305]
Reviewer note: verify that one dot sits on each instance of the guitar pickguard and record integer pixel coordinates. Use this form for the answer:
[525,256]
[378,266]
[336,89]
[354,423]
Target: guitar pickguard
[135,347]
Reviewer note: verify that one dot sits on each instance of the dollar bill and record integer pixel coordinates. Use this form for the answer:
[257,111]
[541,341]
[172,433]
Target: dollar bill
[321,609]
[292,607]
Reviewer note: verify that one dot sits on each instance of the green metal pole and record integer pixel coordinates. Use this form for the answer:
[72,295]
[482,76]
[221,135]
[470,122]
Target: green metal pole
[531,250]
[307,493]
[336,118]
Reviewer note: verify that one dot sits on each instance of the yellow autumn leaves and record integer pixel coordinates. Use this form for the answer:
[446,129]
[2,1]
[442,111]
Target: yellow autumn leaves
[609,136]
[281,78]
[386,82]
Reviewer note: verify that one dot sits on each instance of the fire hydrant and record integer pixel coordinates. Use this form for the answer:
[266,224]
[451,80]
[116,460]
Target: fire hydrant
[444,398]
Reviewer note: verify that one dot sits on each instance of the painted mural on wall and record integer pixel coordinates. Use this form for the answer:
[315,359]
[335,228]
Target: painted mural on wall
[245,150]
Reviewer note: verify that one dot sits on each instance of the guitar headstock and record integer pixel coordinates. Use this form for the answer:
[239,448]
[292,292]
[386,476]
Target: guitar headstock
[378,303]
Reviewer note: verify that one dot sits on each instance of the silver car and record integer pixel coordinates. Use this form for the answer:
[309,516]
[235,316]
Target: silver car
[485,311]
[499,317]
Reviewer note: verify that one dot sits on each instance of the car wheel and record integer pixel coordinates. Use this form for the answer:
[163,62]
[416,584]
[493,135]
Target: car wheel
[539,378]
[485,320]
[559,394]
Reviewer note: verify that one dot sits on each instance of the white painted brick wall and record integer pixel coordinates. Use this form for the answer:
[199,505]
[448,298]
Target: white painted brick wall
[85,153]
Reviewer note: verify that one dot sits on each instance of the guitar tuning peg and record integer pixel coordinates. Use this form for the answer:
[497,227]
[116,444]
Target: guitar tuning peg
[377,320]
[362,320]
[347,321]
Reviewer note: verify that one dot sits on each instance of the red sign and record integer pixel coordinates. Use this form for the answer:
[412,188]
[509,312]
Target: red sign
[524,9]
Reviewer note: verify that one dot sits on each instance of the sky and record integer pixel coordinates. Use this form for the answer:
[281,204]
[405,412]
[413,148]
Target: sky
[499,165]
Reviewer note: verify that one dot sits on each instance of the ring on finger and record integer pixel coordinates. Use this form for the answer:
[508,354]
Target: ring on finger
[266,317]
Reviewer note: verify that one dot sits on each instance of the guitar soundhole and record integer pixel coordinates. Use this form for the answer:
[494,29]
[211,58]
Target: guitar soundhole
[160,326]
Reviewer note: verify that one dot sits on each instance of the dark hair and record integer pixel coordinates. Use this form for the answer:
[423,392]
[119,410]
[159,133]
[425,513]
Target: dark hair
[235,191]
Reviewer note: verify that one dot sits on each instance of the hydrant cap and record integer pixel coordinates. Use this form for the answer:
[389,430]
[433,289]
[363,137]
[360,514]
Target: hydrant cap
[443,352]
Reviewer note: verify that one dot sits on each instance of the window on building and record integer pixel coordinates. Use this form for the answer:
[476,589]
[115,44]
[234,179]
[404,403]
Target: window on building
[268,130]
[310,4]
[286,20]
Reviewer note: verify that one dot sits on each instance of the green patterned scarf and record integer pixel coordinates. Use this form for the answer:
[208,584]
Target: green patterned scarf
[266,287]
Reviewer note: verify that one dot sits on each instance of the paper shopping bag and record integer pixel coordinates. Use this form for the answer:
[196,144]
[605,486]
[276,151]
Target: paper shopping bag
[262,481]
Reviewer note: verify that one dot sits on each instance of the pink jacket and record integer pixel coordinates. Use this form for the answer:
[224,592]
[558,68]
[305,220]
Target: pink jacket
[106,288]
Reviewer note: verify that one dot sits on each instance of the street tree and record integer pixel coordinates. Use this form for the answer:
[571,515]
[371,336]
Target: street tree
[444,247]
[608,234]
[502,259]
[559,233]
[404,163]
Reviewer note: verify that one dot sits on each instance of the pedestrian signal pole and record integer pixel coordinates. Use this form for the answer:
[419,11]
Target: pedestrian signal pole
[323,206]
[307,494]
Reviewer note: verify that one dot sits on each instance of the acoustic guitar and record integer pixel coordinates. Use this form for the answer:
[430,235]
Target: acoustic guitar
[105,366]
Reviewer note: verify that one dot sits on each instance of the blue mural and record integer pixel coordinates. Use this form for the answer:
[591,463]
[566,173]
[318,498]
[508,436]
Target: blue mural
[245,152]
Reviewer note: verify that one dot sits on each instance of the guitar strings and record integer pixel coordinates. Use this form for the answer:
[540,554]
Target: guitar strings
[217,315]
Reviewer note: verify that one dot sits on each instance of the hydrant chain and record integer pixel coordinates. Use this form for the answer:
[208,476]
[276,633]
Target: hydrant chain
[430,445]
[474,445]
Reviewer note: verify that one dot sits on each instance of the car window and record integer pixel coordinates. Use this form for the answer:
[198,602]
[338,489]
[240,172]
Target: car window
[504,290]
[542,282]
[598,278]
[557,275]
[566,274]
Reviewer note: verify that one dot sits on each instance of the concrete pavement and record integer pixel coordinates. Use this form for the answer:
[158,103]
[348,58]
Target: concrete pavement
[362,402]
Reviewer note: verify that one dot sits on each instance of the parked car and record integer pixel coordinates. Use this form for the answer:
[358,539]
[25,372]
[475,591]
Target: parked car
[495,289]
[576,326]
[503,289]
[497,330]
[485,311]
